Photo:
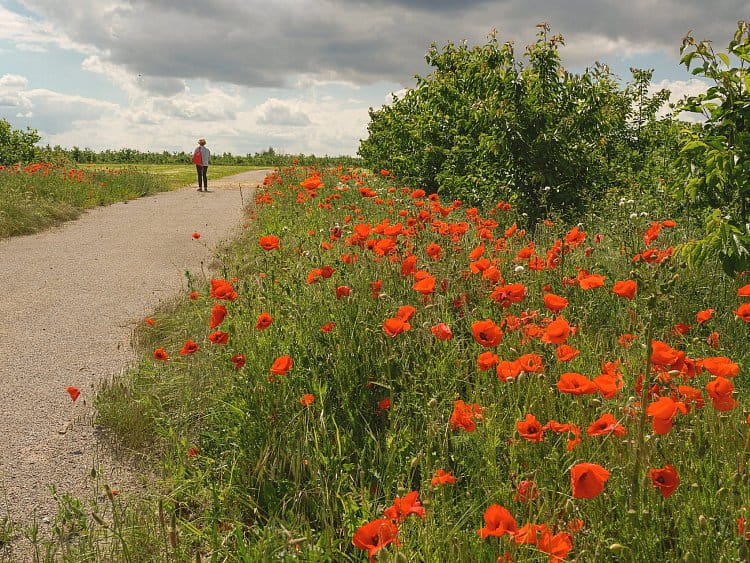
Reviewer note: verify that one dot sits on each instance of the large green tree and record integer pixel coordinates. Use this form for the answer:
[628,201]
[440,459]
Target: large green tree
[16,145]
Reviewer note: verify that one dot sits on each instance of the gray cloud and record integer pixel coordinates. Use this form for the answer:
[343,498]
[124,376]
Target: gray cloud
[279,113]
[253,43]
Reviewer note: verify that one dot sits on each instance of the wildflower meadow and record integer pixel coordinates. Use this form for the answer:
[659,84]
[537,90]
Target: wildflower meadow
[378,373]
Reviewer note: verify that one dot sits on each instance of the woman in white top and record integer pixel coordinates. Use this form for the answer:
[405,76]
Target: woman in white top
[201,158]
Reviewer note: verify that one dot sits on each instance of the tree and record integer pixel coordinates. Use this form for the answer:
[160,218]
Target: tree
[16,146]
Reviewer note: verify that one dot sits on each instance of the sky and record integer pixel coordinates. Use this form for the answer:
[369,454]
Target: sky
[295,75]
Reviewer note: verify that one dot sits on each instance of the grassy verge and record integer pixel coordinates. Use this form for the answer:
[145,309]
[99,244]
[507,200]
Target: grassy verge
[178,175]
[41,195]
[293,405]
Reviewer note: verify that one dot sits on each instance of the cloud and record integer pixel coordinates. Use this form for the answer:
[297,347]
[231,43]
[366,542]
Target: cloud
[278,112]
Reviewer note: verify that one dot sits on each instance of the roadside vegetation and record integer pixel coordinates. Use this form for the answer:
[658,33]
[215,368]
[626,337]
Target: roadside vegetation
[470,353]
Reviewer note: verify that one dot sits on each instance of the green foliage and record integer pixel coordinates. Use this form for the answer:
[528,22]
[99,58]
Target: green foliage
[486,125]
[16,146]
[717,154]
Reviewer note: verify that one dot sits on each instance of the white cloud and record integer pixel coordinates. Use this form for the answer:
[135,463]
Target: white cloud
[280,112]
[679,89]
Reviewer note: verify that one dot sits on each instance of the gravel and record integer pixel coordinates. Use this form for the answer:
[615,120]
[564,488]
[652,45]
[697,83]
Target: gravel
[70,299]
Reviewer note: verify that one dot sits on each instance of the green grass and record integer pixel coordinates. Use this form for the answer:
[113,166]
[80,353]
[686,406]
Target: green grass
[178,175]
[246,472]
[43,195]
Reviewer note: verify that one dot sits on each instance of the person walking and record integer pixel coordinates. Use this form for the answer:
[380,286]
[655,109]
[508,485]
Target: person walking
[201,158]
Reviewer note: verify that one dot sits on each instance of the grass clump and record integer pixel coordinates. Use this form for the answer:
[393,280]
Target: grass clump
[365,343]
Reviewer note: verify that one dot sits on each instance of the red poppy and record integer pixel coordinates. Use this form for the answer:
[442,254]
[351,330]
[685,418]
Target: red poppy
[375,535]
[505,295]
[443,478]
[575,384]
[343,291]
[307,399]
[192,452]
[556,332]
[626,289]
[487,333]
[384,404]
[720,390]
[375,288]
[744,291]
[565,353]
[409,265]
[557,547]
[405,312]
[282,365]
[74,392]
[218,313]
[149,321]
[222,289]
[238,360]
[465,415]
[193,295]
[264,321]
[328,327]
[526,491]
[433,251]
[555,303]
[663,355]
[508,370]
[486,360]
[530,429]
[442,331]
[269,242]
[605,425]
[196,235]
[589,281]
[531,363]
[395,326]
[720,366]
[665,479]
[588,479]
[704,315]
[161,355]
[190,347]
[403,507]
[743,312]
[218,337]
[498,522]
[663,412]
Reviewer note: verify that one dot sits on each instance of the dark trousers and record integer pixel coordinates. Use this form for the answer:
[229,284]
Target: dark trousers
[202,179]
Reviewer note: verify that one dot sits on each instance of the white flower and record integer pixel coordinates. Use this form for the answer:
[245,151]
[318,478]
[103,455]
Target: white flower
[634,215]
[644,214]
[518,269]
[630,202]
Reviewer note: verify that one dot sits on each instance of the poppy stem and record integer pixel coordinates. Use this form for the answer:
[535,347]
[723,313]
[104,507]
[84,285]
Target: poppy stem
[639,451]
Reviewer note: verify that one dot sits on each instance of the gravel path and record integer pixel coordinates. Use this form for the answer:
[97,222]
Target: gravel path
[70,299]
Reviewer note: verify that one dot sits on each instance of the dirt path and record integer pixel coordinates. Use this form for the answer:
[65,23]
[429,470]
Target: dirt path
[70,299]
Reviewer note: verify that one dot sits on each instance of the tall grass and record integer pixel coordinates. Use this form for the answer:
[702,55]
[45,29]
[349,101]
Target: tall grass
[249,472]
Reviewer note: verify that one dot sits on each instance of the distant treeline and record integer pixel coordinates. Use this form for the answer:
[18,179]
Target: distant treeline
[268,157]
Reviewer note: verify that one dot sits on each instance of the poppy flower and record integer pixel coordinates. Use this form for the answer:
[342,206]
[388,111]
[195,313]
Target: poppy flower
[486,333]
[529,533]
[409,265]
[433,251]
[575,384]
[531,363]
[442,331]
[443,478]
[218,337]
[395,326]
[498,522]
[477,253]
[663,355]
[405,312]
[565,353]
[555,303]
[149,321]
[663,412]
[704,315]
[744,291]
[530,429]
[218,313]
[665,479]
[575,237]
[222,289]
[192,452]
[375,535]
[720,366]
[190,347]
[328,327]
[486,360]
[605,425]
[557,547]
[196,235]
[403,507]
[556,332]
[608,385]
[264,321]
[74,392]
[282,365]
[193,295]
[307,399]
[238,360]
[161,355]
[526,491]
[508,370]
[590,281]
[743,312]
[505,295]
[269,242]
[587,479]
[465,415]
[625,289]
[343,291]
[384,404]
[720,390]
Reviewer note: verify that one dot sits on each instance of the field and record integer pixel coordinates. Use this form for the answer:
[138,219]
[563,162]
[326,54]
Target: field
[378,372]
[43,194]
